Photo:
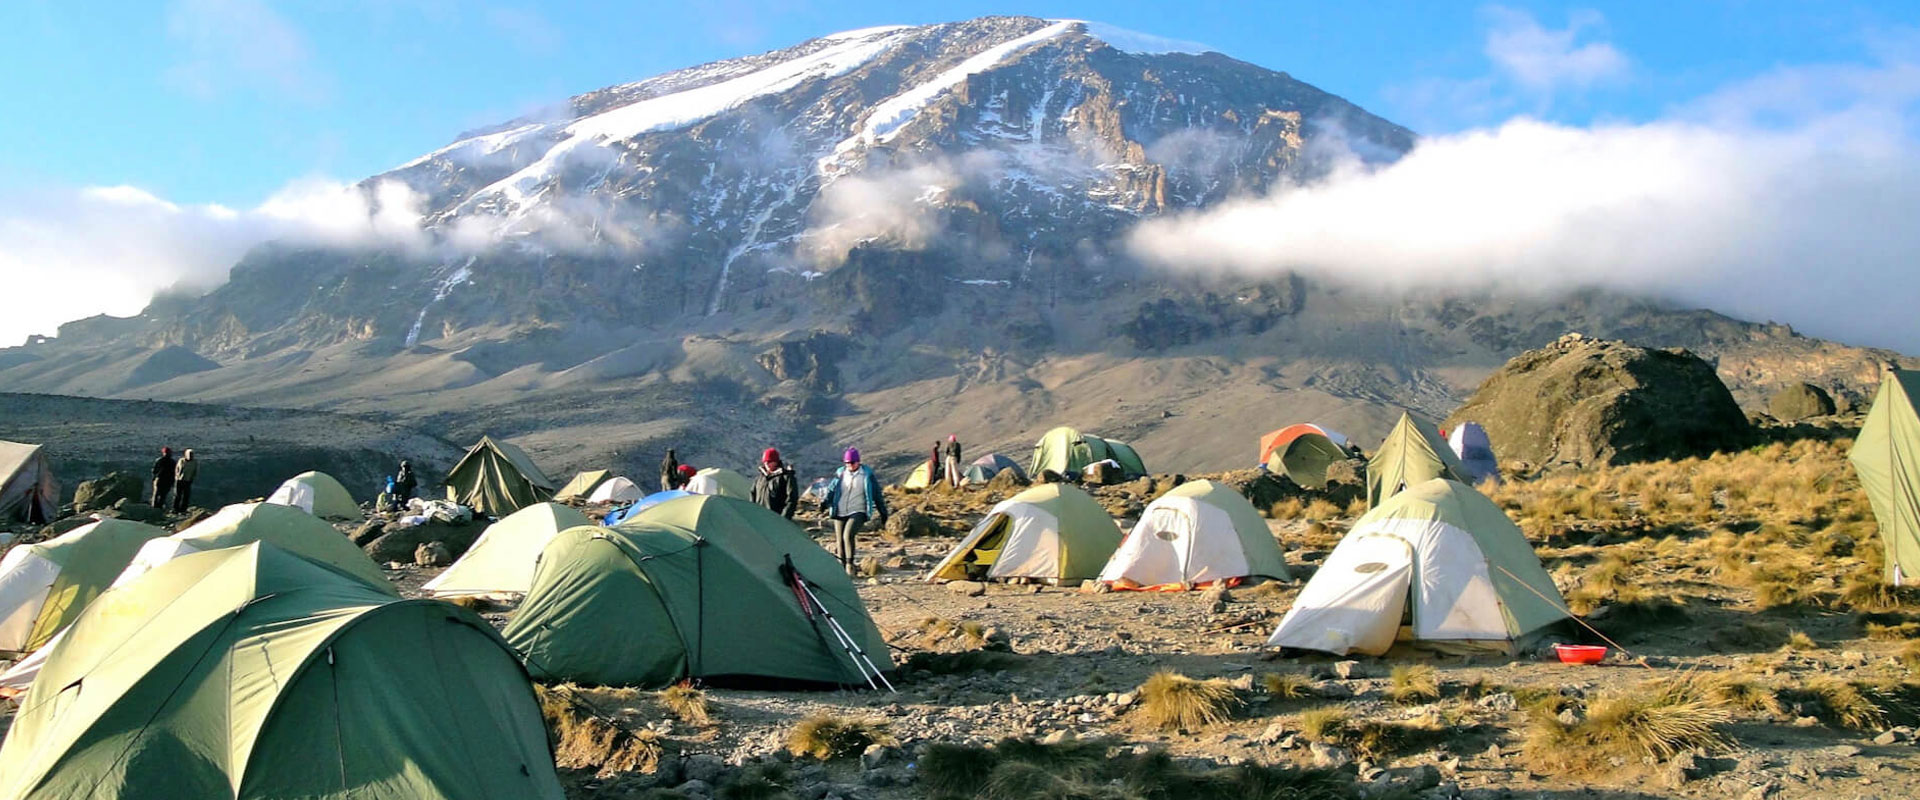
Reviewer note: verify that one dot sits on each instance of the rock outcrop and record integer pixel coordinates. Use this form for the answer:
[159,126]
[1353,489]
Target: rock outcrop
[1800,401]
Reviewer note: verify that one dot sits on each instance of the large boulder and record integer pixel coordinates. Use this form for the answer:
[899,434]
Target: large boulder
[1800,401]
[1583,401]
[102,493]
[402,542]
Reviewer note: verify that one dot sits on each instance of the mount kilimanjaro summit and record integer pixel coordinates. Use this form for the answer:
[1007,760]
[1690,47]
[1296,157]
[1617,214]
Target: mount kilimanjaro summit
[872,237]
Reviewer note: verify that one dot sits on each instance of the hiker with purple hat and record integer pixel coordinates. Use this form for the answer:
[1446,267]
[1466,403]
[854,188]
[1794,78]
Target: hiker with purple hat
[852,498]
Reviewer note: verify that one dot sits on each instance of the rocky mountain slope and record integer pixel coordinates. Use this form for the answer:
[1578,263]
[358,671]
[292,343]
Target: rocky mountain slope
[872,237]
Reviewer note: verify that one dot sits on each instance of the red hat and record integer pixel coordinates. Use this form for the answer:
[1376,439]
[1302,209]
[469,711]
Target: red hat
[688,470]
[772,456]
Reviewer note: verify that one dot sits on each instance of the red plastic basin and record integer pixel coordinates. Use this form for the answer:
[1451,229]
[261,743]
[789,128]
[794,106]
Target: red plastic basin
[1580,653]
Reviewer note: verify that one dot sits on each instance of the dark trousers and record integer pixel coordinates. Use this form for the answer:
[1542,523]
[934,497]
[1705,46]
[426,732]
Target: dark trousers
[161,487]
[845,531]
[182,495]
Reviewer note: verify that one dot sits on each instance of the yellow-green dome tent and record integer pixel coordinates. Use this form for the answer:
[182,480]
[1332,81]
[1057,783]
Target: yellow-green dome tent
[690,588]
[251,672]
[283,526]
[502,560]
[582,485]
[1067,451]
[1050,532]
[1886,454]
[317,493]
[44,586]
[1412,454]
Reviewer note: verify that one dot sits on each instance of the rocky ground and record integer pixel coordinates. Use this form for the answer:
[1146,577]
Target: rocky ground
[1749,570]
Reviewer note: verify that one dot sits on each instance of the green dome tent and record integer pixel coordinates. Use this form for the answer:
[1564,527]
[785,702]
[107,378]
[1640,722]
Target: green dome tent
[317,493]
[721,482]
[1303,452]
[1437,563]
[496,478]
[1052,531]
[44,586]
[985,468]
[1065,450]
[501,561]
[1412,454]
[1202,532]
[253,673]
[1886,454]
[285,527]
[582,485]
[690,588]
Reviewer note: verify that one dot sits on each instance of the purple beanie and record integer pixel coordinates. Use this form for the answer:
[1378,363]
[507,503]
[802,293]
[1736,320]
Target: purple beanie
[853,455]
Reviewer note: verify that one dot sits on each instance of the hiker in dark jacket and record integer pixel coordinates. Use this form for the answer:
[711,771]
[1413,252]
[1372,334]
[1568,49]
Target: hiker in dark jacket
[776,488]
[852,498]
[953,460]
[669,472]
[184,471]
[404,483]
[163,469]
[934,472]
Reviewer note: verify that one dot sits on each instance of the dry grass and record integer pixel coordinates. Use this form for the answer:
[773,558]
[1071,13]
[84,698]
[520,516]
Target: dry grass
[1170,700]
[1656,720]
[1322,509]
[1287,686]
[474,603]
[686,703]
[1016,769]
[1290,508]
[1799,642]
[1909,655]
[827,736]
[1414,683]
[1738,691]
[1843,704]
[587,741]
[1368,738]
[1897,632]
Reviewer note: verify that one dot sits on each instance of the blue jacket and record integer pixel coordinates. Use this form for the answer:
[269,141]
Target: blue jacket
[876,501]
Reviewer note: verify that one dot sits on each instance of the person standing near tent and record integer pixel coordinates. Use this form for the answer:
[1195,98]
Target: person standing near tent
[404,483]
[776,489]
[163,469]
[953,460]
[935,472]
[852,498]
[184,472]
[669,472]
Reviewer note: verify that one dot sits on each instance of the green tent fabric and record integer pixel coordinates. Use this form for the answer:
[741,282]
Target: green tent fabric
[317,493]
[1412,454]
[721,482]
[44,586]
[1886,455]
[285,527]
[496,478]
[1066,450]
[253,673]
[984,468]
[582,485]
[690,588]
[1201,532]
[501,561]
[1438,563]
[1051,532]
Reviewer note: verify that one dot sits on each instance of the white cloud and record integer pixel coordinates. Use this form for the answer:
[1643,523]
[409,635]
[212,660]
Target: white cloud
[1789,197]
[1544,59]
[240,44]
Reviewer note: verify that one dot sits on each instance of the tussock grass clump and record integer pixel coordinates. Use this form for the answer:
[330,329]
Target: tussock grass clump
[827,736]
[473,603]
[1366,737]
[954,770]
[1909,655]
[686,703]
[963,662]
[1287,685]
[1843,704]
[1899,631]
[1414,683]
[1656,720]
[585,741]
[1798,641]
[1170,700]
[1737,691]
[1016,769]
[1322,509]
[758,782]
[1290,508]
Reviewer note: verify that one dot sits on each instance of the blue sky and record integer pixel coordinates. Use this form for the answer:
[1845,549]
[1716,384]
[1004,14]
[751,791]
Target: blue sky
[226,101]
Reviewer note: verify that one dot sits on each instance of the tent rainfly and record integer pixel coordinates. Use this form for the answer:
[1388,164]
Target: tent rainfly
[984,468]
[1052,531]
[496,478]
[317,493]
[1439,564]
[251,672]
[1066,451]
[44,586]
[1303,452]
[28,490]
[1886,455]
[616,490]
[582,485]
[721,482]
[1413,453]
[501,561]
[620,515]
[285,527]
[695,588]
[1202,532]
[1469,442]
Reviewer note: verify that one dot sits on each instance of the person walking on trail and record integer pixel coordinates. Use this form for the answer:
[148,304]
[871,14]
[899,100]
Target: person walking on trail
[953,460]
[776,488]
[853,497]
[669,472]
[404,483]
[184,471]
[163,469]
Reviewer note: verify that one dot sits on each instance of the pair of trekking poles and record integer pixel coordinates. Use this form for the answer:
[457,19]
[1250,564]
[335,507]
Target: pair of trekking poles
[815,610]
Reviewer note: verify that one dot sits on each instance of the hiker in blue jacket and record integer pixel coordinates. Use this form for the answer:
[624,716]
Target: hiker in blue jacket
[853,497]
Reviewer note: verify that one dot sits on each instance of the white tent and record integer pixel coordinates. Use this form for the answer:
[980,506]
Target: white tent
[501,561]
[1469,441]
[721,482]
[28,491]
[317,493]
[1437,562]
[1201,532]
[616,490]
